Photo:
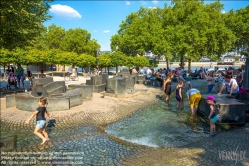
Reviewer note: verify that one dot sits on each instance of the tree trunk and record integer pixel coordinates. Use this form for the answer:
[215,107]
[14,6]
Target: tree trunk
[167,62]
[189,64]
[64,71]
[105,69]
[116,70]
[89,70]
[52,70]
[108,70]
[182,61]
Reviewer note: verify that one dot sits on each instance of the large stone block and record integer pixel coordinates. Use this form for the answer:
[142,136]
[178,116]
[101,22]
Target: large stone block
[231,111]
[87,90]
[43,81]
[75,97]
[39,91]
[99,88]
[116,85]
[52,86]
[104,77]
[95,80]
[10,101]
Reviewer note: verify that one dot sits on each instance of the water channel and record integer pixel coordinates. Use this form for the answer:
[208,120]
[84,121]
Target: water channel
[155,126]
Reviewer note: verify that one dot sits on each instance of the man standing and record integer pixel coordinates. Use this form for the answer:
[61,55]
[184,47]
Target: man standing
[20,75]
[149,73]
[231,85]
[194,97]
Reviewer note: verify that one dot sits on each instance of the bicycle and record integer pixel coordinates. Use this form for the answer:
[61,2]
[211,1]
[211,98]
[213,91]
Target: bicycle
[68,77]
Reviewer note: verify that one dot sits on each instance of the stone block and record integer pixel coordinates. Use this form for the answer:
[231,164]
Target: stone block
[52,86]
[87,90]
[43,81]
[104,77]
[140,81]
[231,110]
[39,91]
[58,90]
[116,85]
[10,101]
[99,88]
[95,80]
[75,97]
[141,77]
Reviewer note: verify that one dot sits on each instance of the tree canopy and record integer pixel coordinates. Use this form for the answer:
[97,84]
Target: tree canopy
[22,21]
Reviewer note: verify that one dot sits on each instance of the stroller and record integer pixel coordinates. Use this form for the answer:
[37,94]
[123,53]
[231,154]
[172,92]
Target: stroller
[11,81]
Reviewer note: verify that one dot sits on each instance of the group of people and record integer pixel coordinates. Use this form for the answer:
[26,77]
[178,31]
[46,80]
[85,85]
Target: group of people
[16,75]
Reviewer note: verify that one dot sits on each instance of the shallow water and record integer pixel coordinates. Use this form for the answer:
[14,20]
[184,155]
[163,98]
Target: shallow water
[160,126]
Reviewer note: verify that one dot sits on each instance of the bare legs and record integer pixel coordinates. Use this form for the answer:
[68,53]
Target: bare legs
[212,128]
[38,134]
[167,99]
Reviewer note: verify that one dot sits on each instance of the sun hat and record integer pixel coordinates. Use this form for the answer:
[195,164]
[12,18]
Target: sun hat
[210,98]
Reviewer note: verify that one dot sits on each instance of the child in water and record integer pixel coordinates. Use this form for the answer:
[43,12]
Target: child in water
[214,114]
[178,93]
[40,120]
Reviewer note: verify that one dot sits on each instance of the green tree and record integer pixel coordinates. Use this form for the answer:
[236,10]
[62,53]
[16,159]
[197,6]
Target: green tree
[79,40]
[104,60]
[84,60]
[55,36]
[117,59]
[22,21]
[141,61]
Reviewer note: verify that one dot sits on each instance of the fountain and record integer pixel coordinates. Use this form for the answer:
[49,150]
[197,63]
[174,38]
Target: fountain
[58,98]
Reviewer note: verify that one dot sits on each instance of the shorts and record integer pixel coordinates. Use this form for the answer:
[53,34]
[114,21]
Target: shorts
[41,124]
[214,119]
[178,98]
[195,99]
[19,78]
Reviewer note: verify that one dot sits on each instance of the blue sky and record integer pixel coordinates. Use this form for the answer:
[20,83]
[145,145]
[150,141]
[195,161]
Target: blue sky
[102,18]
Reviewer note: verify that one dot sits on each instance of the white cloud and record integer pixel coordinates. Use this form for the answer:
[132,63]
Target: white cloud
[128,3]
[144,2]
[155,1]
[223,11]
[106,31]
[95,31]
[64,11]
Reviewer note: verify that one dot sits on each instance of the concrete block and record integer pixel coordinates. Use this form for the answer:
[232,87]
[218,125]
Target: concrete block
[231,110]
[140,81]
[87,90]
[10,101]
[99,88]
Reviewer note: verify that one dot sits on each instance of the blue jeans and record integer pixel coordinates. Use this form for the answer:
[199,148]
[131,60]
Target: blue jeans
[210,87]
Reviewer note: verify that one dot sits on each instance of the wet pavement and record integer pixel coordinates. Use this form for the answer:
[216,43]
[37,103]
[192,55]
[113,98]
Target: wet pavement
[81,139]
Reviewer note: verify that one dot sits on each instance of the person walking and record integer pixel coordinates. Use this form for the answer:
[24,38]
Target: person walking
[40,120]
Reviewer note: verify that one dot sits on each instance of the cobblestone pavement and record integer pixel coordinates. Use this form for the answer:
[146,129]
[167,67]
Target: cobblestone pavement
[84,134]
